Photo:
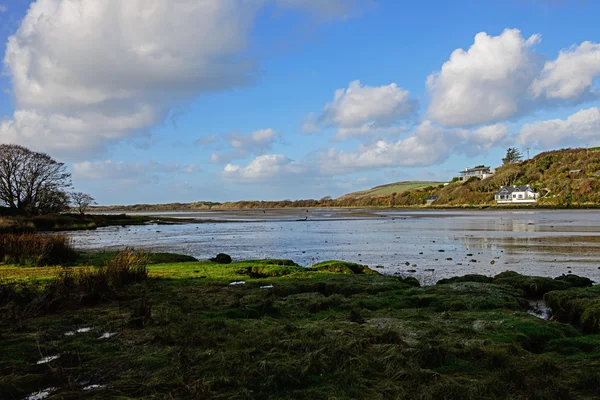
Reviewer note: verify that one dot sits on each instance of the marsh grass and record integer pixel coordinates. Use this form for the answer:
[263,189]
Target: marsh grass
[35,249]
[314,335]
[73,287]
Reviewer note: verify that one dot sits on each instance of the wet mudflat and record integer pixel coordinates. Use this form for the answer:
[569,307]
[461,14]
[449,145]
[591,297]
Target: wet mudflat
[427,244]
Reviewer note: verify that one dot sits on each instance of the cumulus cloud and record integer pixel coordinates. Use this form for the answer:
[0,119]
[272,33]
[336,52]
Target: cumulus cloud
[241,145]
[581,128]
[571,75]
[428,144]
[3,8]
[262,168]
[88,72]
[359,109]
[127,172]
[488,82]
[501,77]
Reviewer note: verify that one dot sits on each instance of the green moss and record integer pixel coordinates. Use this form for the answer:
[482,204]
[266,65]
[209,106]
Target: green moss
[466,278]
[301,335]
[342,267]
[580,306]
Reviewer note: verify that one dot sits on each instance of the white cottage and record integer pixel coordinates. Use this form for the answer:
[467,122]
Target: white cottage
[516,195]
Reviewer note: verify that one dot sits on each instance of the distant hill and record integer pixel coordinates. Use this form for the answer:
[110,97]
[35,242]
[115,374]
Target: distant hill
[397,187]
[569,177]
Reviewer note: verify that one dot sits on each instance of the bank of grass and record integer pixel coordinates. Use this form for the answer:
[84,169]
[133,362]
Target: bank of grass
[35,249]
[295,333]
[73,222]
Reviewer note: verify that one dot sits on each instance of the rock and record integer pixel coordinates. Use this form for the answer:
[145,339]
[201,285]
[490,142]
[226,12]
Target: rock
[473,261]
[412,271]
[449,259]
[222,258]
[407,263]
[492,262]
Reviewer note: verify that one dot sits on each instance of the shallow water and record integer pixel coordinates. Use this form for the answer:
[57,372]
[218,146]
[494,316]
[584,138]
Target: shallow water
[440,243]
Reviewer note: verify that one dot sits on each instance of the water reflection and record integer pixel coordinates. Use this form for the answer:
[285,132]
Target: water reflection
[446,243]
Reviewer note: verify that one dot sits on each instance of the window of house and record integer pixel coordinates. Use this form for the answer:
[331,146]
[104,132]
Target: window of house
[514,196]
[520,196]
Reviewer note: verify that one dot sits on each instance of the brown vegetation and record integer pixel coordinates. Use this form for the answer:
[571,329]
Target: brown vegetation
[35,249]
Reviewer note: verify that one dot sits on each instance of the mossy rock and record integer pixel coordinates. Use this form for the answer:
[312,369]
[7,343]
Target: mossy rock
[578,306]
[342,267]
[466,278]
[410,281]
[532,286]
[575,280]
[222,258]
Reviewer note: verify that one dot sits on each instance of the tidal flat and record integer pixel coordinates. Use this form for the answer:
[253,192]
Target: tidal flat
[434,244]
[338,330]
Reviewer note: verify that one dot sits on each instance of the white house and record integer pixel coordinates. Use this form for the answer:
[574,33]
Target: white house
[516,195]
[479,172]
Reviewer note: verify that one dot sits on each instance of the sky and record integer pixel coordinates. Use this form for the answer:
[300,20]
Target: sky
[158,101]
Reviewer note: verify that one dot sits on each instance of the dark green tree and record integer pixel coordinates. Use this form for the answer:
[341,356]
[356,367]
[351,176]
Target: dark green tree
[32,183]
[513,155]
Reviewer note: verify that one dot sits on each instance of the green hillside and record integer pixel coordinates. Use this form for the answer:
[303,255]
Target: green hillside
[563,178]
[398,187]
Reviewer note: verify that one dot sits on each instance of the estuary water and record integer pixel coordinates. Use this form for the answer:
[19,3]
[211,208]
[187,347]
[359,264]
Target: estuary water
[427,244]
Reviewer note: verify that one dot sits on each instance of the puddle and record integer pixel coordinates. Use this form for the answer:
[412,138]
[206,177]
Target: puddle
[80,330]
[267,287]
[107,335]
[42,394]
[237,283]
[93,387]
[539,309]
[48,359]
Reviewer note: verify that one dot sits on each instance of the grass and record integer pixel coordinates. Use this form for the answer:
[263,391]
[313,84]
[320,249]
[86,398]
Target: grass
[73,222]
[398,187]
[35,249]
[295,333]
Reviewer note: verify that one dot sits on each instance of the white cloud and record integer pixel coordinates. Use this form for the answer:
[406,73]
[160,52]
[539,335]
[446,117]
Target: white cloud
[487,83]
[571,75]
[481,140]
[358,110]
[262,168]
[86,72]
[241,145]
[3,8]
[125,172]
[581,128]
[427,145]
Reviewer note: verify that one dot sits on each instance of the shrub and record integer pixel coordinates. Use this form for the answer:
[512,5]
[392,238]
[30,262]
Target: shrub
[35,249]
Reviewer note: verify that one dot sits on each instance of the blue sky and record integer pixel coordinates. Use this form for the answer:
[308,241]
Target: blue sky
[222,100]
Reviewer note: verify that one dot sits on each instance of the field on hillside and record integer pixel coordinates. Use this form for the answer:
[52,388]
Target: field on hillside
[397,187]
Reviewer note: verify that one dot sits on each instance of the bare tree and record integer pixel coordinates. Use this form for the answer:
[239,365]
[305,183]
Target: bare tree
[32,182]
[81,201]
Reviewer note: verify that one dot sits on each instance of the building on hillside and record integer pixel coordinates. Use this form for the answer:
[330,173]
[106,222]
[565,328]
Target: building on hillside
[480,172]
[516,195]
[431,199]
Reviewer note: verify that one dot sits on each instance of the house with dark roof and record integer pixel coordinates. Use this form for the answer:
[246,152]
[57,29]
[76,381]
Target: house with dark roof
[480,172]
[516,195]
